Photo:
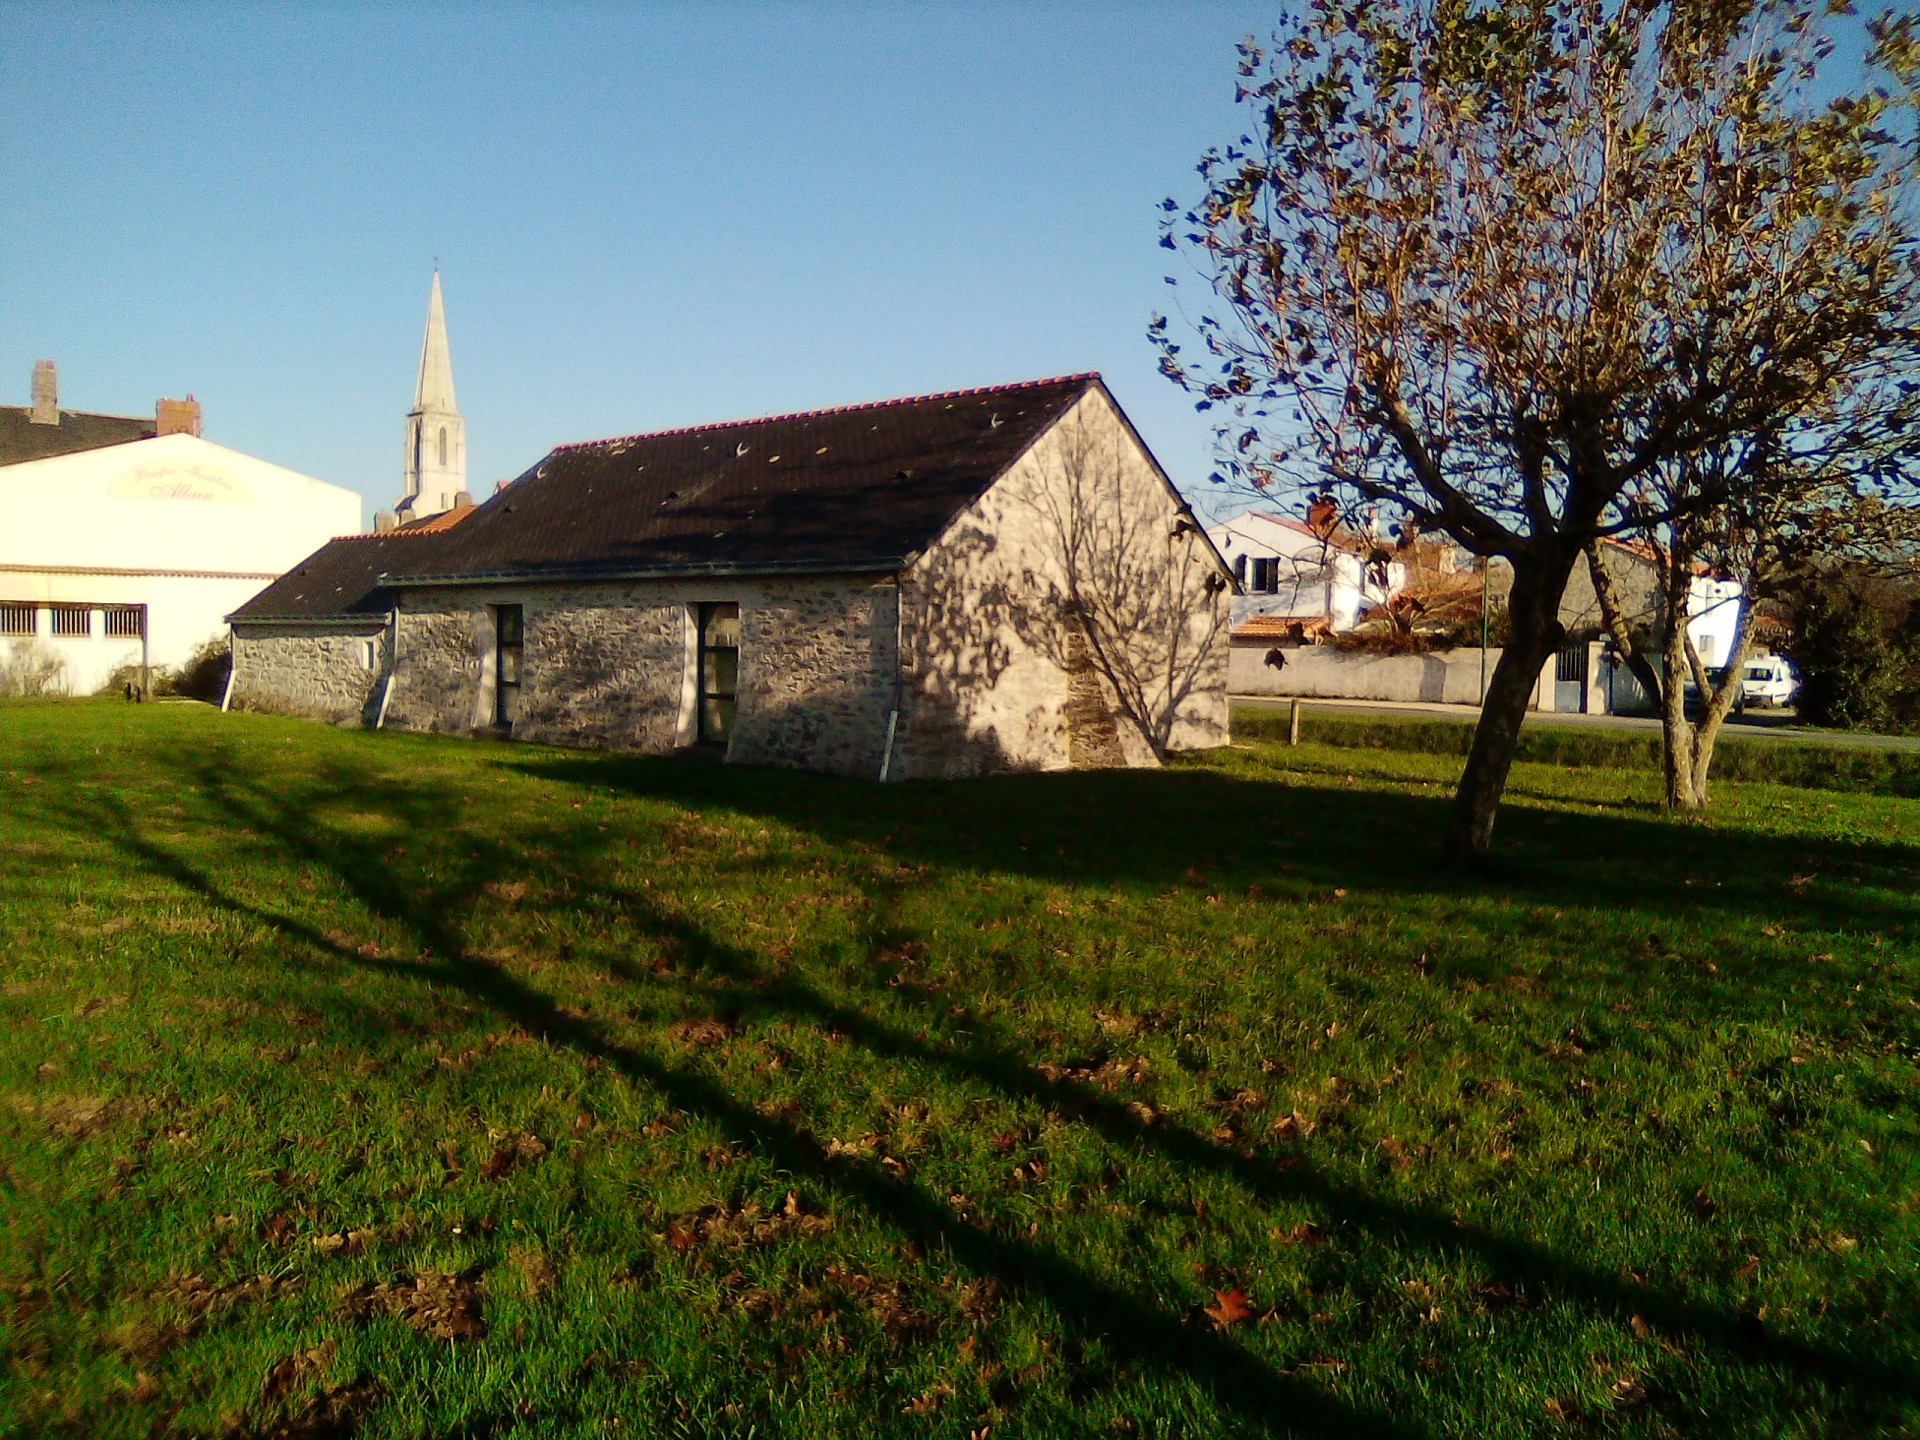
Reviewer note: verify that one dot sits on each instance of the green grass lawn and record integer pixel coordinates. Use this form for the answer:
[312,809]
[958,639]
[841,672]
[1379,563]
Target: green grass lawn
[385,1085]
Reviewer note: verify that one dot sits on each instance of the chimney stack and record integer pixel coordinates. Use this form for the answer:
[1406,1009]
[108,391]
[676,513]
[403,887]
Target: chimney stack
[46,394]
[177,417]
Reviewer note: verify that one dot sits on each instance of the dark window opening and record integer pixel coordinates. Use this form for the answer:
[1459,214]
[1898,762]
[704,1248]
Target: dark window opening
[1240,568]
[509,635]
[125,622]
[443,447]
[18,619]
[73,620]
[719,677]
[1266,576]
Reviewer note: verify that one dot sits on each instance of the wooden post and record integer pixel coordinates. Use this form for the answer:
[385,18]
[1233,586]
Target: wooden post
[1293,723]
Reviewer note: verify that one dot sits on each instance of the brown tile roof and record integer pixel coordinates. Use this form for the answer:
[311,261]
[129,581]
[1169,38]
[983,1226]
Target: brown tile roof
[433,524]
[1279,627]
[861,487]
[21,439]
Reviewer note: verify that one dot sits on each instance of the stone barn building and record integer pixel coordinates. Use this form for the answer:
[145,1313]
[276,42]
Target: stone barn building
[997,579]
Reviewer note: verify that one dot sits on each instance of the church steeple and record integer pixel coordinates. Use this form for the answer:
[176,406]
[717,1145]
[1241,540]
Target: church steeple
[436,433]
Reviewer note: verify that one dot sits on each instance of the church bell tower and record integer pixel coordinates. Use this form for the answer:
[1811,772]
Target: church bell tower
[436,435]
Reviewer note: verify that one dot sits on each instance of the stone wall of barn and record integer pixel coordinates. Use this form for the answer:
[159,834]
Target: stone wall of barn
[612,664]
[1000,672]
[317,674]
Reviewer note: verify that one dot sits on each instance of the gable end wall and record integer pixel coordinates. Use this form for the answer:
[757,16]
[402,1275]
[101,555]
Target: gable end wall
[997,676]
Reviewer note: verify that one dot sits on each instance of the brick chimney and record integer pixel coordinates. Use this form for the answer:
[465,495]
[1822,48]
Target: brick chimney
[177,417]
[46,394]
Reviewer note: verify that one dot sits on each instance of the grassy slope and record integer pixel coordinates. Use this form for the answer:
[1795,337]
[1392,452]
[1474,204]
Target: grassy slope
[1620,1138]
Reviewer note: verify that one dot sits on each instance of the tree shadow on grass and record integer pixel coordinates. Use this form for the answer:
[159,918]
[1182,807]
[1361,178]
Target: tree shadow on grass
[1127,1325]
[1151,831]
[1155,829]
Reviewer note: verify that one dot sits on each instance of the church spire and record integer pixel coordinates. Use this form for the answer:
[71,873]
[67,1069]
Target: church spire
[435,390]
[436,434]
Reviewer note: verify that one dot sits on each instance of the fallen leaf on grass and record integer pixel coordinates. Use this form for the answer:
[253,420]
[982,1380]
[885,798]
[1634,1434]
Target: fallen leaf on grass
[443,1306]
[536,1272]
[1292,1127]
[1305,1233]
[344,1242]
[291,1373]
[333,1414]
[1230,1308]
[511,1152]
[701,1032]
[733,1229]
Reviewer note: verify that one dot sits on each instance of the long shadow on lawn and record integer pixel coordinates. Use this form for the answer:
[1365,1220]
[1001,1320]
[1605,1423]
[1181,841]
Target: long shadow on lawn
[1043,826]
[1171,828]
[1126,1324]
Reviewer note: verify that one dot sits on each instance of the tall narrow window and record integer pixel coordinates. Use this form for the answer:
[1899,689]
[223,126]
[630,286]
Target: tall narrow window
[443,447]
[509,644]
[719,669]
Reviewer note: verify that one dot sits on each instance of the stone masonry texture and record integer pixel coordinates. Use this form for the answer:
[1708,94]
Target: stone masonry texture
[988,665]
[294,670]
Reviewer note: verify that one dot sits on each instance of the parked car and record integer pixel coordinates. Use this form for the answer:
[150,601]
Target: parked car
[1696,707]
[1770,680]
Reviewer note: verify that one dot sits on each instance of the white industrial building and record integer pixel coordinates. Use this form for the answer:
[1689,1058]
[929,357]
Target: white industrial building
[126,540]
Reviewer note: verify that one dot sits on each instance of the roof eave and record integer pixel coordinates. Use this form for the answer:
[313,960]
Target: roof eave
[875,565]
[361,617]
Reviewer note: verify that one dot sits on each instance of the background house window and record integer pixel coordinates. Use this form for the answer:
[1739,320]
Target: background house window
[1240,568]
[18,619]
[719,669]
[509,642]
[124,622]
[73,621]
[1266,576]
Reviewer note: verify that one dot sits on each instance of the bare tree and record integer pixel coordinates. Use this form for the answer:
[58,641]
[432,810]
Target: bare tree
[1760,513]
[1135,592]
[1496,265]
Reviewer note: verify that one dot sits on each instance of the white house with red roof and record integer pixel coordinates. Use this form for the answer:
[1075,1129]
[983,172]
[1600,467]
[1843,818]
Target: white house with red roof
[1292,575]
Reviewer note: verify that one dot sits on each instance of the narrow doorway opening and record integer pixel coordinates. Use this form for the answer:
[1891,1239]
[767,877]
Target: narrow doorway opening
[719,674]
[509,640]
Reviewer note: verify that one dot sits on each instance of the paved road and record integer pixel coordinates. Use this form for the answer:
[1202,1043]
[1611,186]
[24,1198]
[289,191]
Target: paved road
[1772,725]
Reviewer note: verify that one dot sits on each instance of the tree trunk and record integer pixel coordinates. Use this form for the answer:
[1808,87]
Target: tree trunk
[1534,634]
[1678,751]
[1721,701]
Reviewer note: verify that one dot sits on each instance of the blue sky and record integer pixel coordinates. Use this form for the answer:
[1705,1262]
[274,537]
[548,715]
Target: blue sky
[644,218]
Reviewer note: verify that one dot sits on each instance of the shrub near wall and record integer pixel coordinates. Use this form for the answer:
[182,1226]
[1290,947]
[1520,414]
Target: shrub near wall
[1808,765]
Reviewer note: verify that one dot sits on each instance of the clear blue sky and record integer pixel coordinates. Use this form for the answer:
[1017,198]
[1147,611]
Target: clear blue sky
[643,218]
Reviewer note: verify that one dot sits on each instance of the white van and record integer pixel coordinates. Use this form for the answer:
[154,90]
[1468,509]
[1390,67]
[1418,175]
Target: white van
[1769,680]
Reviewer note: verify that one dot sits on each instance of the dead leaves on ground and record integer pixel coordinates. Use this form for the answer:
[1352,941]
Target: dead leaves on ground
[437,1304]
[1230,1307]
[293,1372]
[726,1228]
[510,1152]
